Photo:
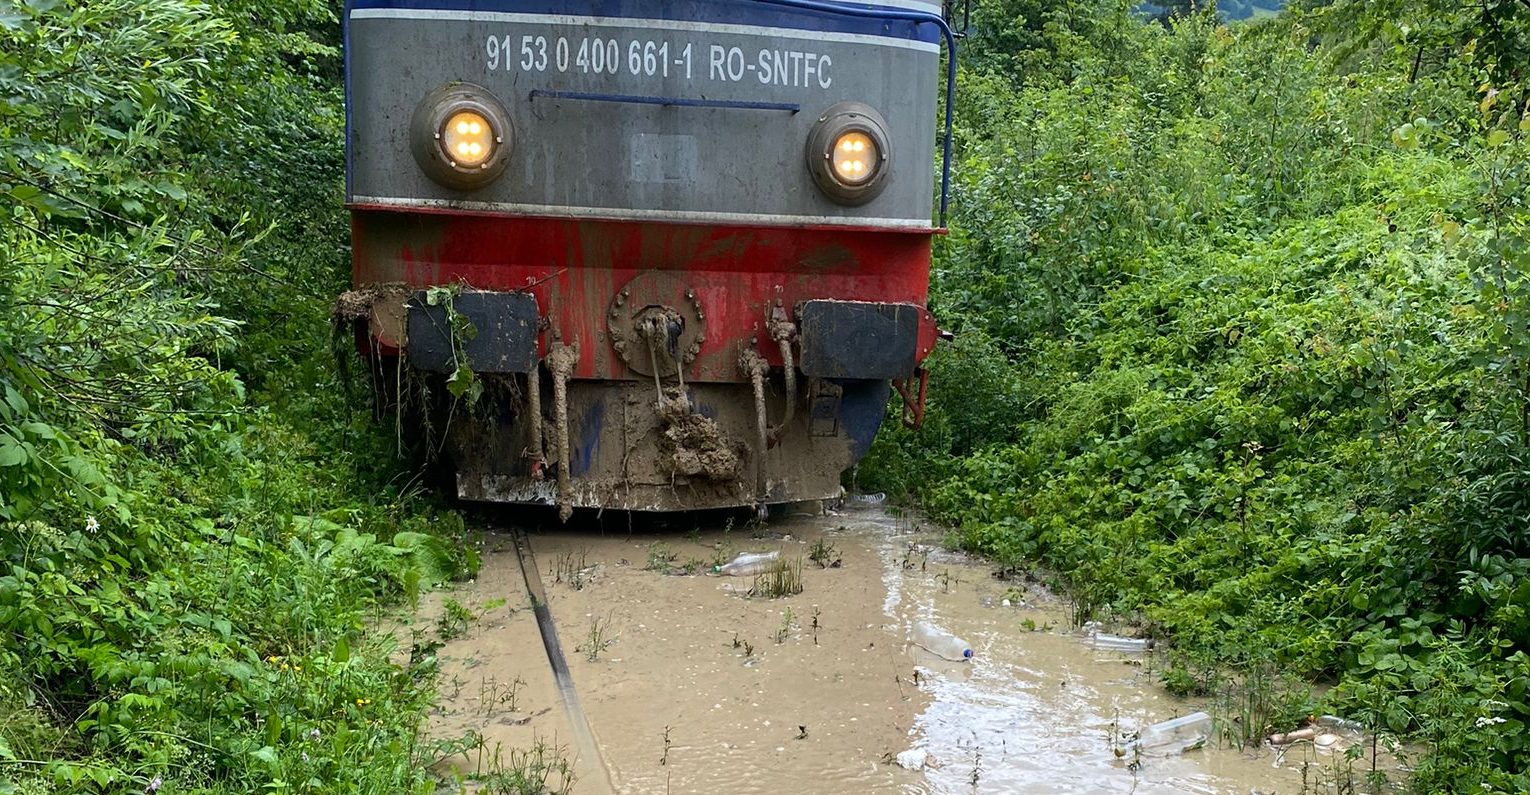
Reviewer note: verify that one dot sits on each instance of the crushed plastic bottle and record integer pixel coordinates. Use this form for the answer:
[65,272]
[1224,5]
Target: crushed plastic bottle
[1176,736]
[1107,642]
[941,643]
[747,564]
[869,499]
[1340,725]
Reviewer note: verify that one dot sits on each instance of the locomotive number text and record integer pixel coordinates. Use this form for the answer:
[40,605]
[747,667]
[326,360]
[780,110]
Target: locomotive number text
[646,58]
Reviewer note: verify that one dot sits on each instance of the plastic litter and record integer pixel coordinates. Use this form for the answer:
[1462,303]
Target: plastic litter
[747,564]
[1178,735]
[915,759]
[1107,642]
[1327,733]
[1286,738]
[869,499]
[1341,725]
[941,643]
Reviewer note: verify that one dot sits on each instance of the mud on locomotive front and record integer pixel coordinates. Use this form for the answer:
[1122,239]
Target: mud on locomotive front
[676,253]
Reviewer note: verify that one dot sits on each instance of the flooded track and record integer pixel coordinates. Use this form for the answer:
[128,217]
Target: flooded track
[690,685]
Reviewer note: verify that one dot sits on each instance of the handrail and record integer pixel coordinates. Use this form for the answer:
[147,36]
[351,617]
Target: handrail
[924,17]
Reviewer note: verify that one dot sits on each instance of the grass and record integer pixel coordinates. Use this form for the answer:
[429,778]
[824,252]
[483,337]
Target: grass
[454,622]
[493,694]
[824,554]
[782,579]
[660,556]
[572,569]
[541,769]
[788,623]
[598,639]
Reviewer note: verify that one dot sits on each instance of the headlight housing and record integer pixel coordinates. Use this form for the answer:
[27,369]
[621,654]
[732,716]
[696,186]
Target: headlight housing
[848,153]
[460,136]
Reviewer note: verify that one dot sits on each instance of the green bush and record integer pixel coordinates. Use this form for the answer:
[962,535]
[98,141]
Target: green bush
[1243,353]
[198,524]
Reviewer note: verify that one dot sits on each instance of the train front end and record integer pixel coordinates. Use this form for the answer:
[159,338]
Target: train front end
[637,254]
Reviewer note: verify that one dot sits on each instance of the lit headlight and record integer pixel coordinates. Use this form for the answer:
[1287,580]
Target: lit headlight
[468,139]
[855,158]
[847,153]
[460,136]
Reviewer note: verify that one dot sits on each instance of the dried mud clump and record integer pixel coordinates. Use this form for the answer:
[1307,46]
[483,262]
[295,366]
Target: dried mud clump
[354,304]
[357,304]
[696,447]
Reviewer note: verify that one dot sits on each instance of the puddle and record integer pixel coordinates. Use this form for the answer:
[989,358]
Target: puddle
[691,686]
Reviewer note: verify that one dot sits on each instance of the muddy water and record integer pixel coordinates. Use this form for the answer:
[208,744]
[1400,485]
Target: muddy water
[691,685]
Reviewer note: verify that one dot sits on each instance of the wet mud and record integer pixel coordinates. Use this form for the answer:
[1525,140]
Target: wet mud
[690,684]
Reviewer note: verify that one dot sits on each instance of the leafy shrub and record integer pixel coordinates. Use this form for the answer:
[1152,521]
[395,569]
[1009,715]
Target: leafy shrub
[196,520]
[1251,364]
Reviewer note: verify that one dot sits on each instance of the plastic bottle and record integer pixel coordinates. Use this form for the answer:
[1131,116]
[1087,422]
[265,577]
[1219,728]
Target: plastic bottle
[1101,640]
[1177,735]
[869,499]
[748,564]
[941,643]
[1340,725]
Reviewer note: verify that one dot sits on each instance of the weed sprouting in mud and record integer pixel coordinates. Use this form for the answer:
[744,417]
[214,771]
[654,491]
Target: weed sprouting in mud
[788,623]
[915,556]
[1252,705]
[542,769]
[824,554]
[783,578]
[660,556]
[493,694]
[571,569]
[1123,744]
[664,760]
[598,639]
[816,625]
[743,645]
[454,622]
[722,553]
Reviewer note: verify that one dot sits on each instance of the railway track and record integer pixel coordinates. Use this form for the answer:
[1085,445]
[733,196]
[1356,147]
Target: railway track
[590,768]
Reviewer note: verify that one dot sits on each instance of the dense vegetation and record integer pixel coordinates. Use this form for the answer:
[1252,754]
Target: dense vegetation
[1243,348]
[196,519]
[1243,354]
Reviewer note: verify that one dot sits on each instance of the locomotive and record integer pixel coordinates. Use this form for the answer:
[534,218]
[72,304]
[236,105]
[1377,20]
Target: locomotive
[642,254]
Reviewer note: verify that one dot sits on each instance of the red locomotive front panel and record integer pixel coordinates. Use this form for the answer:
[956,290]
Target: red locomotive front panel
[710,317]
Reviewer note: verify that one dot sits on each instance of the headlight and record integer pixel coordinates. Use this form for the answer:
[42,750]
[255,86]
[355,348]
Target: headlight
[468,139]
[856,158]
[460,136]
[847,153]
